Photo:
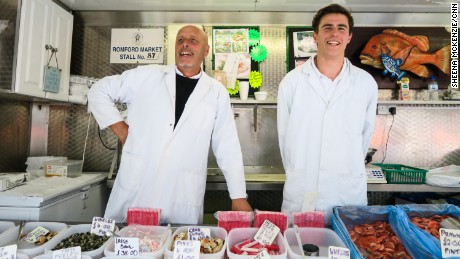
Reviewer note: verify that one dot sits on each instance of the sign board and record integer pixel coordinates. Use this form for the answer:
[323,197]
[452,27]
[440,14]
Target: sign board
[143,46]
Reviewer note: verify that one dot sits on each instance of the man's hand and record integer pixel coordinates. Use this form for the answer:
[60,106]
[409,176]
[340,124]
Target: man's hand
[241,205]
[120,129]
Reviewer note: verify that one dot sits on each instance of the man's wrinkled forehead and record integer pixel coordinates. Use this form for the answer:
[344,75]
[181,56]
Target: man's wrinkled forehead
[192,32]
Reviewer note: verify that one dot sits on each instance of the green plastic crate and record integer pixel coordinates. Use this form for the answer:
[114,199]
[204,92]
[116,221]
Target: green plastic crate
[403,174]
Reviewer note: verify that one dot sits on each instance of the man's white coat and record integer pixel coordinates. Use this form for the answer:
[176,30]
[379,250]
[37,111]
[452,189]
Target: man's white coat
[323,143]
[162,166]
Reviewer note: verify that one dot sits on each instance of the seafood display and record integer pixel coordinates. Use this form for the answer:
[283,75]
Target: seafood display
[150,239]
[431,224]
[43,238]
[252,247]
[411,50]
[208,245]
[378,240]
[87,241]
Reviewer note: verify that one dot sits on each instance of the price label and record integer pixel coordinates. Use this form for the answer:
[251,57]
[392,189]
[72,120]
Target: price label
[198,233]
[101,225]
[267,233]
[186,249]
[338,253]
[8,252]
[127,246]
[450,242]
[33,235]
[68,253]
[262,255]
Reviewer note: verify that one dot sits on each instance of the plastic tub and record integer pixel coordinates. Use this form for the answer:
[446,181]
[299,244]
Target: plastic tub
[238,235]
[216,232]
[321,237]
[146,233]
[83,228]
[8,233]
[32,250]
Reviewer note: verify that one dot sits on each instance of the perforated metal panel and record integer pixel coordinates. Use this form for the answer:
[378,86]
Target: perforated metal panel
[8,15]
[14,135]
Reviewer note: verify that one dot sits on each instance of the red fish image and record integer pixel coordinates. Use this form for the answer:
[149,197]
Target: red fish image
[412,50]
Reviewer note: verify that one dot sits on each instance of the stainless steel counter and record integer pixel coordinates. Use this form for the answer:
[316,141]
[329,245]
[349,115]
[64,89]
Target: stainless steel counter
[270,181]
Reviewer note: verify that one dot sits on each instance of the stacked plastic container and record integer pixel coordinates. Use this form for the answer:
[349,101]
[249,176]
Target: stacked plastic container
[8,233]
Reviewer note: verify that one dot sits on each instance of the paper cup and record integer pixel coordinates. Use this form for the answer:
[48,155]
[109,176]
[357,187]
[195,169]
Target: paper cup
[244,90]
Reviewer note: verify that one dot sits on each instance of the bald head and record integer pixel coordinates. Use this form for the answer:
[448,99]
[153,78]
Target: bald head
[197,30]
[191,49]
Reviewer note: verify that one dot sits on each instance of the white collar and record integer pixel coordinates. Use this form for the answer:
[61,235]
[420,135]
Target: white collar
[197,76]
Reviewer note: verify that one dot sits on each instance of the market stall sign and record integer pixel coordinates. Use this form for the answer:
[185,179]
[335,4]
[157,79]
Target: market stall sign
[68,253]
[127,246]
[100,226]
[143,46]
[450,242]
[267,233]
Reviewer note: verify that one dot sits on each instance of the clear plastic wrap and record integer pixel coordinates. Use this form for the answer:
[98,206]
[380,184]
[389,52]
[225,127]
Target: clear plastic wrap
[144,216]
[311,219]
[234,219]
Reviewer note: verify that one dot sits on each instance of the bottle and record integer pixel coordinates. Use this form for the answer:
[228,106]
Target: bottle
[404,92]
[433,89]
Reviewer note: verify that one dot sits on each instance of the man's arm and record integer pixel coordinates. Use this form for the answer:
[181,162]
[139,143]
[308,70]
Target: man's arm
[241,205]
[120,129]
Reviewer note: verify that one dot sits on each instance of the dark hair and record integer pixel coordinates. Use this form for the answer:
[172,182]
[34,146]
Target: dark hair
[332,9]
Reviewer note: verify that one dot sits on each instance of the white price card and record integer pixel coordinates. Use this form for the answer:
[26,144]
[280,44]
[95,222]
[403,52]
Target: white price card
[8,252]
[68,253]
[267,233]
[127,246]
[186,249]
[196,233]
[100,226]
[33,235]
[262,255]
[335,252]
[450,242]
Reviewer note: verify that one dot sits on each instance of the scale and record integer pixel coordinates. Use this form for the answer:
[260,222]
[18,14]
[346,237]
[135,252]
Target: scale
[375,174]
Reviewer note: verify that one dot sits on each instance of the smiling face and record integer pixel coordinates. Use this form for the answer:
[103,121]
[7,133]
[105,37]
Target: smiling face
[333,35]
[191,49]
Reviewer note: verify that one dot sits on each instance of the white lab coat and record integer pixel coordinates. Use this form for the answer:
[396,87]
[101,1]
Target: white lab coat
[163,167]
[323,144]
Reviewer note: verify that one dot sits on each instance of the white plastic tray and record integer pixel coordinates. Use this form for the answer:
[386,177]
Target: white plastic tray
[238,235]
[216,232]
[322,237]
[32,250]
[8,233]
[153,231]
[83,228]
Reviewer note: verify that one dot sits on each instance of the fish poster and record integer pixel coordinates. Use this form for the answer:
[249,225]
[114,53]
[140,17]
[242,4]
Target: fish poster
[421,52]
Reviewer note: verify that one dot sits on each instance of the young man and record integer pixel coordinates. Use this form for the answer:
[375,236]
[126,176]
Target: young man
[326,113]
[174,113]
